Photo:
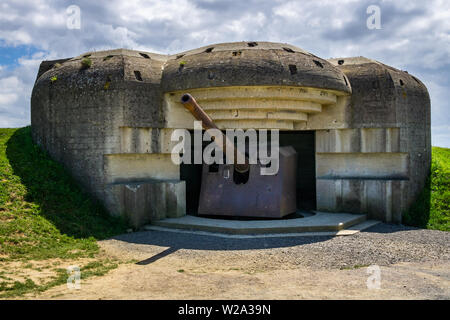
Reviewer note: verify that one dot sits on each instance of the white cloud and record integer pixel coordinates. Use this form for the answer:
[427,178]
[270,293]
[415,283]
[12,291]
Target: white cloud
[7,99]
[415,36]
[15,92]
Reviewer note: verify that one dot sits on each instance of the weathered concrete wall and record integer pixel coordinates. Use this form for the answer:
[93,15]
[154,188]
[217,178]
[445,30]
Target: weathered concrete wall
[79,115]
[362,170]
[148,201]
[76,119]
[390,120]
[139,167]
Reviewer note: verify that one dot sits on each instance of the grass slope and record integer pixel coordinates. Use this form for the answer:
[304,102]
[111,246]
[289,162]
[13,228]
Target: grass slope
[44,214]
[432,208]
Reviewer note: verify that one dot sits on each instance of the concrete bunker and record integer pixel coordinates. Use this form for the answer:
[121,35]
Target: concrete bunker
[362,128]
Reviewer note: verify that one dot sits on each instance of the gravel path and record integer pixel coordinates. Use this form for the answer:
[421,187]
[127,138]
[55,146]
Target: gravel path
[415,264]
[383,244]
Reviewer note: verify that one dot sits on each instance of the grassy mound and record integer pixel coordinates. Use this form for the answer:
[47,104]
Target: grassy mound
[432,208]
[43,213]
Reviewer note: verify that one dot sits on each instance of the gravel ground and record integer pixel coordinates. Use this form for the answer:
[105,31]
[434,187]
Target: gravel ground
[383,244]
[414,264]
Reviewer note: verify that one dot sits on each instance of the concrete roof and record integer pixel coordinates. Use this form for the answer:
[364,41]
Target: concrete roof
[250,64]
[368,69]
[224,64]
[123,52]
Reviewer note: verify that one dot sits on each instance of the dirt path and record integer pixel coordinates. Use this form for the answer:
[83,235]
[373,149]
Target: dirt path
[413,263]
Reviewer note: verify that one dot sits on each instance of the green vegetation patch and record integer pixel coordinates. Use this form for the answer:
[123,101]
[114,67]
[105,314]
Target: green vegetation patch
[432,208]
[12,288]
[86,63]
[44,214]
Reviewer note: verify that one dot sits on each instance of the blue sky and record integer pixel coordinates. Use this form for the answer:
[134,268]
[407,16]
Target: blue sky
[9,55]
[414,36]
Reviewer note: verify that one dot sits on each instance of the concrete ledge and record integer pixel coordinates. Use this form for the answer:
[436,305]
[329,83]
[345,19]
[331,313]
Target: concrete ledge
[320,222]
[346,232]
[149,200]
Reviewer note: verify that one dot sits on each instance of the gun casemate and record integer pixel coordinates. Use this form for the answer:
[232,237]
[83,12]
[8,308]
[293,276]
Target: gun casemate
[240,189]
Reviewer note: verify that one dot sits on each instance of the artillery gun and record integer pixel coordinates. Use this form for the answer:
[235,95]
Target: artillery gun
[239,189]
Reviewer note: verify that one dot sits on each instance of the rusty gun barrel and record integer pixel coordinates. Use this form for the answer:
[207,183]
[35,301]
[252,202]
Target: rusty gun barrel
[189,103]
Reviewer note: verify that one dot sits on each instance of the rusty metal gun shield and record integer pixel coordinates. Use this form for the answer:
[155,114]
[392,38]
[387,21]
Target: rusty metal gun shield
[255,195]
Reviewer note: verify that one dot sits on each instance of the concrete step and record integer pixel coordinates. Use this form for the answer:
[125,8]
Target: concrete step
[319,222]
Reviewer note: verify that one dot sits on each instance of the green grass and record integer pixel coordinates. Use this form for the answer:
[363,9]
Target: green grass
[44,214]
[432,208]
[356,266]
[86,63]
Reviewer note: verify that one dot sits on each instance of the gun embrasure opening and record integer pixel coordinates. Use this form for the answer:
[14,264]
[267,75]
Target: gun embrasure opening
[189,103]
